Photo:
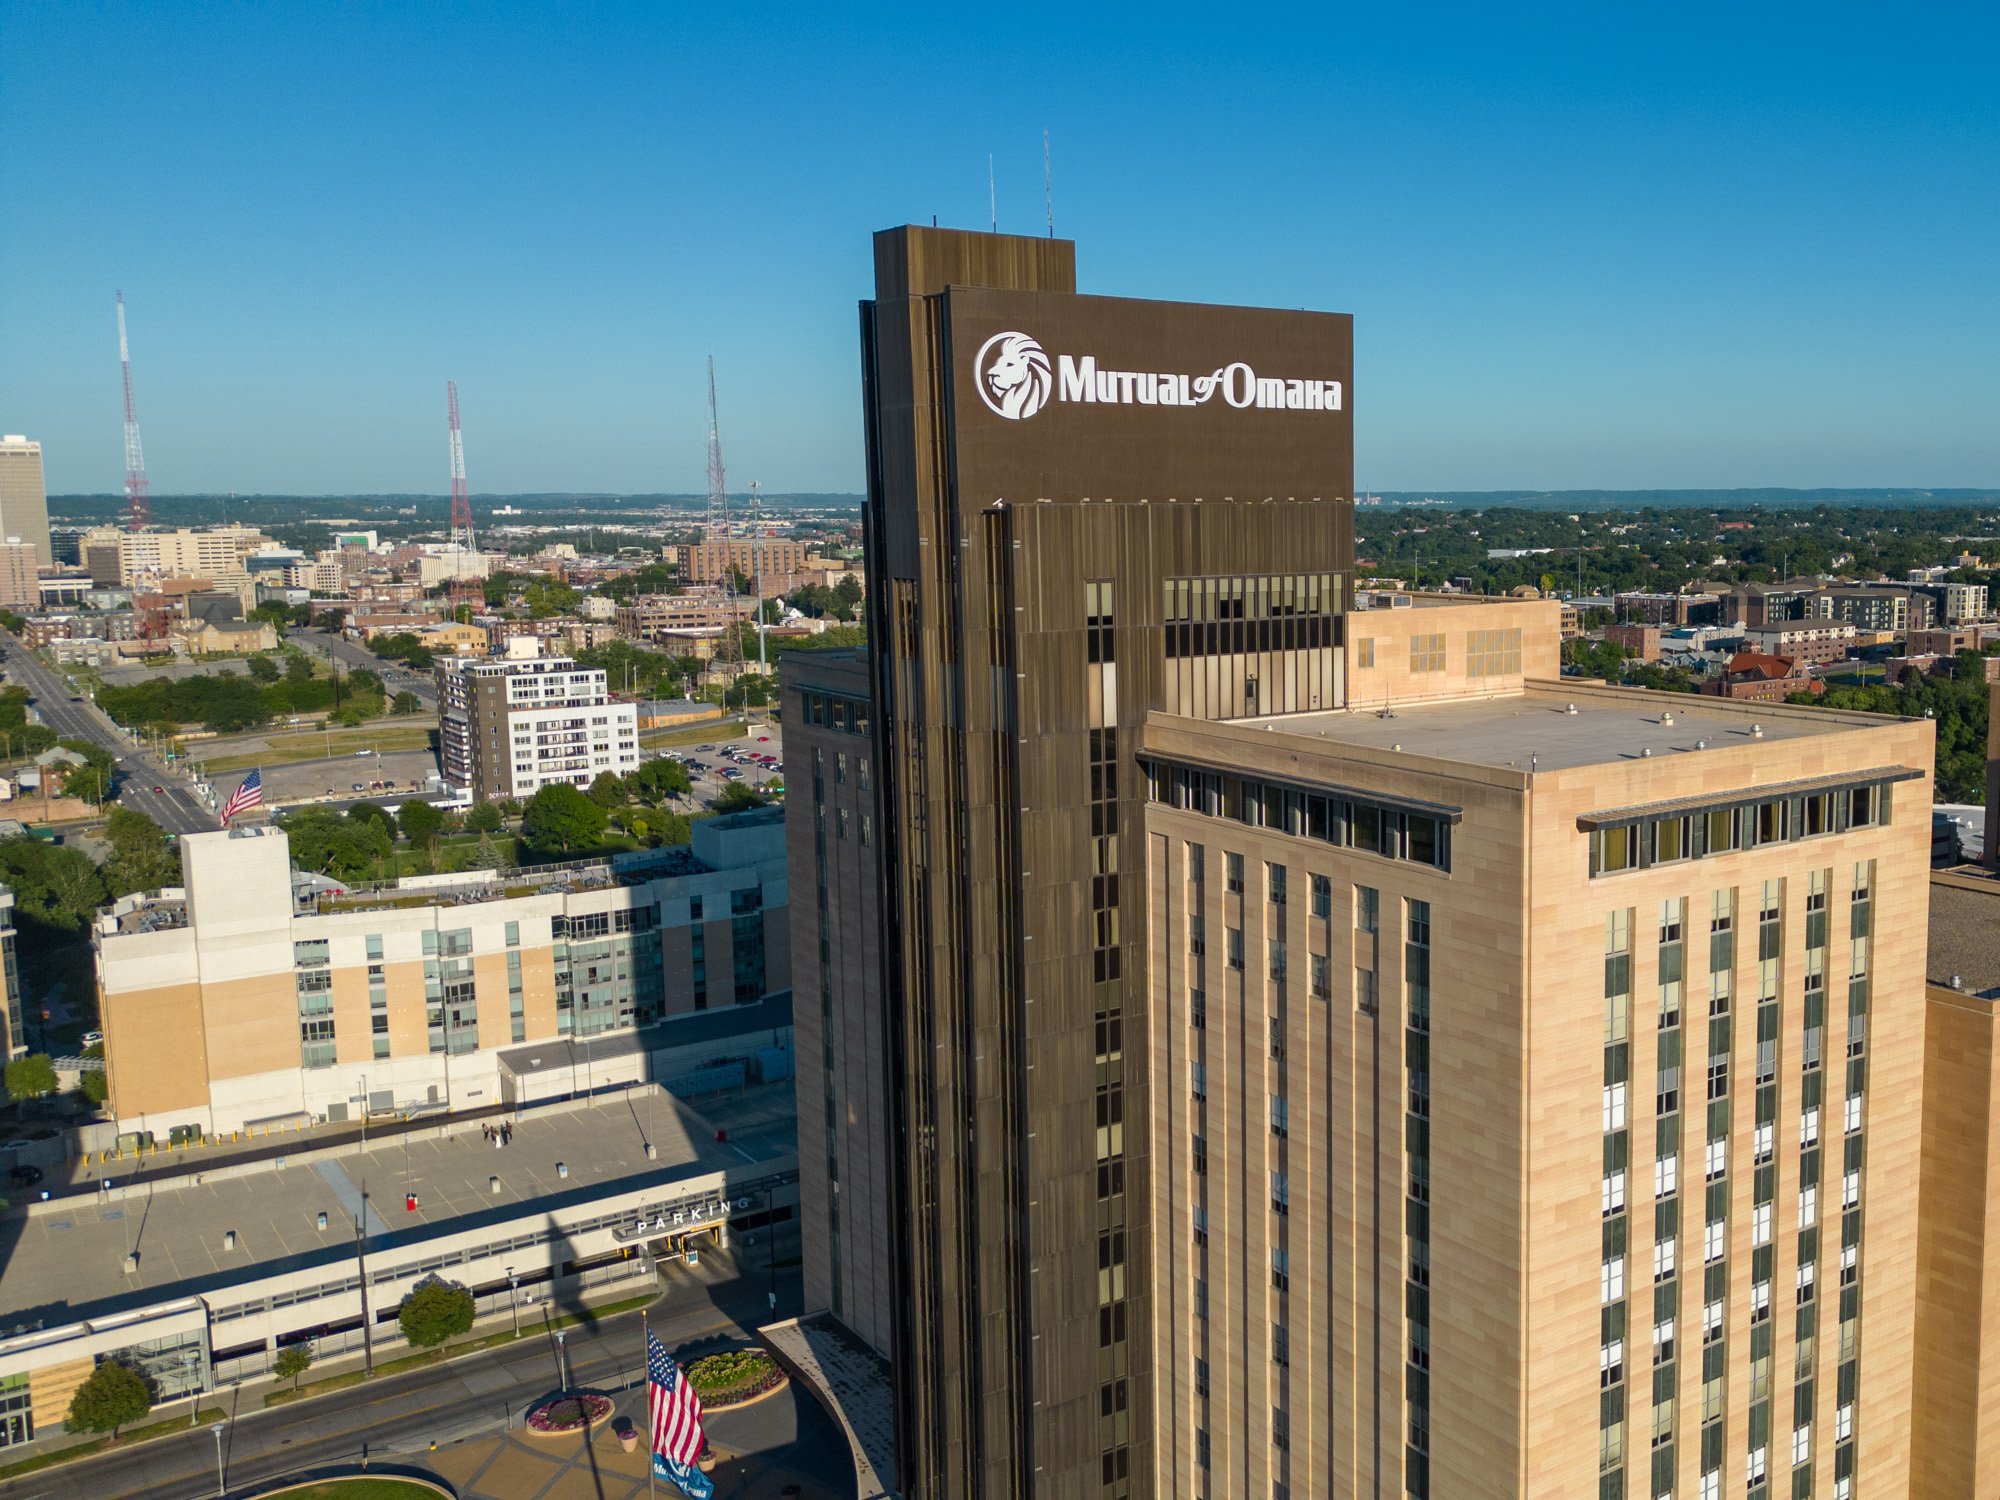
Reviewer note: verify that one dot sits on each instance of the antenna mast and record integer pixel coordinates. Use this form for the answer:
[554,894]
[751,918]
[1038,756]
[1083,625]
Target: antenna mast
[992,195]
[465,589]
[138,503]
[717,535]
[1048,185]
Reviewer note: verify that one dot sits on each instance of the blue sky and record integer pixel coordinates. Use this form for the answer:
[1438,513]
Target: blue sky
[1593,246]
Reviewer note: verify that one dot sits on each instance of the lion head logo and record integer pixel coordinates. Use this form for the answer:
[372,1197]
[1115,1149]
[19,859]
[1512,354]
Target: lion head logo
[1012,374]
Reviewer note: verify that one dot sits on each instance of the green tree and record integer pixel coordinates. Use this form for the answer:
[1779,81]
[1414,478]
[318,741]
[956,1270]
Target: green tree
[609,790]
[435,1312]
[419,821]
[740,797]
[141,858]
[660,778]
[343,847]
[561,819]
[405,702]
[298,667]
[95,1085]
[30,1077]
[484,817]
[293,1361]
[111,1397]
[486,853]
[262,668]
[97,778]
[362,680]
[276,613]
[846,597]
[1604,659]
[56,890]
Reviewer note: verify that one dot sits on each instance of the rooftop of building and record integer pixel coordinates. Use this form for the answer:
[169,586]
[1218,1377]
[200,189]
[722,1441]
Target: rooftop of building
[726,842]
[64,1260]
[1965,931]
[1563,725]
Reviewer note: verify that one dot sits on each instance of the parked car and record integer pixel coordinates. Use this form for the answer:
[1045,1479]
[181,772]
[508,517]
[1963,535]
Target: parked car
[93,1039]
[359,787]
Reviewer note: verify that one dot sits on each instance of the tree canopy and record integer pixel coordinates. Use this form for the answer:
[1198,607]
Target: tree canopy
[435,1311]
[344,847]
[561,819]
[112,1396]
[30,1077]
[141,858]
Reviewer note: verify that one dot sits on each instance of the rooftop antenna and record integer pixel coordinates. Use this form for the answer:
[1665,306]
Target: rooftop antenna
[138,498]
[1048,185]
[992,196]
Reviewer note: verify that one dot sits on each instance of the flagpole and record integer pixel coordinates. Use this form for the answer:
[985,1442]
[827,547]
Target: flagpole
[646,1365]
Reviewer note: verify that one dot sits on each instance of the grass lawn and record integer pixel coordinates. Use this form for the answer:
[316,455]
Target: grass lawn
[357,1489]
[700,734]
[389,736]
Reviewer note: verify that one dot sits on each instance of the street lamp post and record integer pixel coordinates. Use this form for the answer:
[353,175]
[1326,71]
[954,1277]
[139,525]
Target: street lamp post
[221,1473]
[562,1360]
[513,1302]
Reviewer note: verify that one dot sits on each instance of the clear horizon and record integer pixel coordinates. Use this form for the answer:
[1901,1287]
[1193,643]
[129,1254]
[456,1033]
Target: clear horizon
[1711,250]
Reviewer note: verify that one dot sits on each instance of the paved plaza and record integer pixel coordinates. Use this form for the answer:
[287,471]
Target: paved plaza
[781,1448]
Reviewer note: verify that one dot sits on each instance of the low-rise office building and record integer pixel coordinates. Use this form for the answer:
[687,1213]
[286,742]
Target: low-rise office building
[198,1272]
[512,725]
[251,997]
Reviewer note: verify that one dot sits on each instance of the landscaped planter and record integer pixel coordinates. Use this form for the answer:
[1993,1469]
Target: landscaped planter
[735,1378]
[568,1414]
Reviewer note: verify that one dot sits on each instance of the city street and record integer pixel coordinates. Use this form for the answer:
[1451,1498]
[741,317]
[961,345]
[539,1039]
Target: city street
[396,1418]
[174,807]
[396,678]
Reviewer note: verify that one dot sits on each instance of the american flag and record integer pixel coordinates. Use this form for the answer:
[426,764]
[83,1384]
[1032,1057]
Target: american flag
[678,1437]
[249,794]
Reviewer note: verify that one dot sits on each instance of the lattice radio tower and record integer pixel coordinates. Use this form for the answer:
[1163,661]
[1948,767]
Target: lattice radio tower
[464,588]
[716,533]
[138,503]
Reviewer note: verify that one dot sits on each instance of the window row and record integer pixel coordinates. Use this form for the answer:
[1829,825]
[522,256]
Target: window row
[1660,841]
[1343,821]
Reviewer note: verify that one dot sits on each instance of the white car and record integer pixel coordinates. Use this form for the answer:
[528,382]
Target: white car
[93,1039]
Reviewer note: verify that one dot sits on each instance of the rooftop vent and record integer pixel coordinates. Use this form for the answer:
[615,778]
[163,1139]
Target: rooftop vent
[1667,717]
[1756,731]
[1569,708]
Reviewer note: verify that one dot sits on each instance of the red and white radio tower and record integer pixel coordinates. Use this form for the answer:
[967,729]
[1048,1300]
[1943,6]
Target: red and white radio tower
[138,504]
[464,588]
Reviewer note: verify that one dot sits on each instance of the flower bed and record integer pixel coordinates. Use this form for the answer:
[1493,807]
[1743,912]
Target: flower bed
[734,1377]
[569,1413]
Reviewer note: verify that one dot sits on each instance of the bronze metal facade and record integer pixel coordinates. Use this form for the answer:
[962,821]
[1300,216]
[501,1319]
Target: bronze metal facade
[1034,529]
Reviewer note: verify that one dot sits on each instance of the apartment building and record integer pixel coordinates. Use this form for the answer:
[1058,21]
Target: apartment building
[1804,643]
[1271,990]
[24,498]
[1880,609]
[511,725]
[768,562]
[20,586]
[833,860]
[651,617]
[254,996]
[12,1001]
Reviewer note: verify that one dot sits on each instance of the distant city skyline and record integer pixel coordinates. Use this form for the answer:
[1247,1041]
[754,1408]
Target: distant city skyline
[1581,253]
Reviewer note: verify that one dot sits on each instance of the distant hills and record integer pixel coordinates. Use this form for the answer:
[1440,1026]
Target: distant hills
[205,509]
[1580,500]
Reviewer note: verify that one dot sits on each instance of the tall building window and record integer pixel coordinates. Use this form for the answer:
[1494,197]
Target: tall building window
[1617,1152]
[1426,654]
[1416,1211]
